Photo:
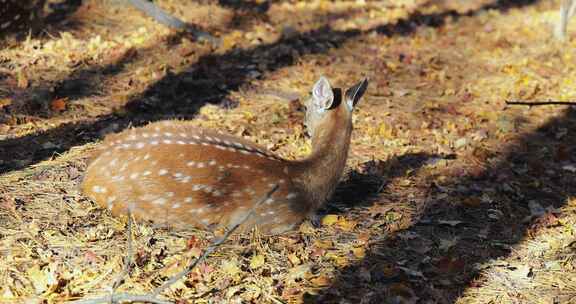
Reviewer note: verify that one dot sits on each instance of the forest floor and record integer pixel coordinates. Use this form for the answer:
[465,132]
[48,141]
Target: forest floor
[450,194]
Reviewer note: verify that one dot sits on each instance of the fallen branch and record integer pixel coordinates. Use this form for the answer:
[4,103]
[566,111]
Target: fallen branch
[540,103]
[214,245]
[153,297]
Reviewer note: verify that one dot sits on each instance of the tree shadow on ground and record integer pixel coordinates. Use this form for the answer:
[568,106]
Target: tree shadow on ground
[363,187]
[483,214]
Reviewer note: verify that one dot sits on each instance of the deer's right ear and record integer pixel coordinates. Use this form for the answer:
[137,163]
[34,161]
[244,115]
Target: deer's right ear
[322,94]
[354,93]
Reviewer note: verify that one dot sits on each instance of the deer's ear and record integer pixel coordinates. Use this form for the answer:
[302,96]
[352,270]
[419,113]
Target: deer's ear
[354,93]
[322,94]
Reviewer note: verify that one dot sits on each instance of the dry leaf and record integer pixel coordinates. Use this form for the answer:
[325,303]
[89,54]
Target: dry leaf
[257,261]
[320,281]
[330,219]
[294,259]
[58,105]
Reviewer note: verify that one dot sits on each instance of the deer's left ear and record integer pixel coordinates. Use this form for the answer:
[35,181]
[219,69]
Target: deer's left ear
[354,93]
[322,95]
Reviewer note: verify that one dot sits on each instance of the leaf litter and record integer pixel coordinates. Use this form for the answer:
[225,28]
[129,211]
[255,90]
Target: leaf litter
[450,195]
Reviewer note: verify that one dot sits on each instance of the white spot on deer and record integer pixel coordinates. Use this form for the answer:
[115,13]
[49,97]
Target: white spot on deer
[155,135]
[146,156]
[154,142]
[159,201]
[271,212]
[269,201]
[185,179]
[200,165]
[208,138]
[176,206]
[170,194]
[183,135]
[126,146]
[168,134]
[191,163]
[140,145]
[132,137]
[145,135]
[227,143]
[162,172]
[188,199]
[146,173]
[167,141]
[134,175]
[180,142]
[196,137]
[245,152]
[212,162]
[197,187]
[236,194]
[220,147]
[178,174]
[205,143]
[99,189]
[291,195]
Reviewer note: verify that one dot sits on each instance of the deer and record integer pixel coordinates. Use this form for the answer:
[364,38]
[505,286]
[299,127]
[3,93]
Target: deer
[173,172]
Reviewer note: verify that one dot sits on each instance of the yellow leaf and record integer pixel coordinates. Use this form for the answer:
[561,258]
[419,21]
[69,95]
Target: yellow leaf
[298,272]
[257,261]
[294,259]
[38,278]
[320,281]
[330,219]
[324,244]
[359,252]
[231,267]
[346,225]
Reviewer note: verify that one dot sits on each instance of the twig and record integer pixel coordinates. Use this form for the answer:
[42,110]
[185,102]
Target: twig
[125,297]
[214,245]
[540,103]
[128,257]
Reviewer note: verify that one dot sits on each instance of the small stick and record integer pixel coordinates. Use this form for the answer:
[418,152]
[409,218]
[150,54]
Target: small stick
[540,103]
[128,257]
[214,245]
[123,297]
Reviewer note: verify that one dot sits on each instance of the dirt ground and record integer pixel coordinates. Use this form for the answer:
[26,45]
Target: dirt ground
[450,195]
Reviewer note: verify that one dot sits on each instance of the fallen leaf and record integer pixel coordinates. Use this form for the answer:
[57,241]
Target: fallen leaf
[257,261]
[38,278]
[298,272]
[359,252]
[58,105]
[330,219]
[320,281]
[231,268]
[294,259]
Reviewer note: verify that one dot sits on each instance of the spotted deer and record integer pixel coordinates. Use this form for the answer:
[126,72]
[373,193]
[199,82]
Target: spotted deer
[174,172]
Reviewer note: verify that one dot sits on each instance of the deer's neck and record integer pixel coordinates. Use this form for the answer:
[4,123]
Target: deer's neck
[319,174]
